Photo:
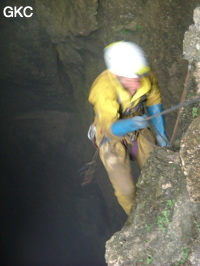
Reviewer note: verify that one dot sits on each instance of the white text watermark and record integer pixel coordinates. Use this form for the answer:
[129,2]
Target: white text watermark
[13,12]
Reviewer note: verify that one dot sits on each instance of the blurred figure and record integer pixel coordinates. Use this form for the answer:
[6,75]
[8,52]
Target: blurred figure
[120,95]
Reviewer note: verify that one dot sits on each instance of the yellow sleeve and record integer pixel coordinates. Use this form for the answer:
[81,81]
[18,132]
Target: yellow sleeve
[103,97]
[154,96]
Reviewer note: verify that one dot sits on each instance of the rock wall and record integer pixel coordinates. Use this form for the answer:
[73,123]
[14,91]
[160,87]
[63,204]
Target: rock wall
[190,148]
[163,229]
[164,226]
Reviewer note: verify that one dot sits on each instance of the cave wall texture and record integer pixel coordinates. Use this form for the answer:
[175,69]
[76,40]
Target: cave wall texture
[163,227]
[48,63]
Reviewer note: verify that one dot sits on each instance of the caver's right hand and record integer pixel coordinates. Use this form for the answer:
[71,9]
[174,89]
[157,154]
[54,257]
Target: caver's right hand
[140,122]
[124,126]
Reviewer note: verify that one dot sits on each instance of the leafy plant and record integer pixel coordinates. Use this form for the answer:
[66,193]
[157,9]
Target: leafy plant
[149,260]
[163,221]
[197,225]
[171,203]
[184,256]
[195,112]
[126,31]
[147,228]
[138,27]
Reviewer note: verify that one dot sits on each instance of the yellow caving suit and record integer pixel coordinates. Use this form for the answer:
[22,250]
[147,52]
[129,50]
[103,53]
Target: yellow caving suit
[111,101]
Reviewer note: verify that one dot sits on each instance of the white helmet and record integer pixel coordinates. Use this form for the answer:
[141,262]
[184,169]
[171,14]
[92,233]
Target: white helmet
[125,59]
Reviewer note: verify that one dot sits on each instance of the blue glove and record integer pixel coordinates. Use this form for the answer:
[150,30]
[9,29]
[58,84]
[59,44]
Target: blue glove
[124,126]
[159,124]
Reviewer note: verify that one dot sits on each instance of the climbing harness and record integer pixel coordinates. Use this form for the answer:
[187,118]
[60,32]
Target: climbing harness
[89,169]
[136,110]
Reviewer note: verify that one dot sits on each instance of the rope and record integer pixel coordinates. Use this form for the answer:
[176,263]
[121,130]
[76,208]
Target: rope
[173,108]
[183,97]
[89,169]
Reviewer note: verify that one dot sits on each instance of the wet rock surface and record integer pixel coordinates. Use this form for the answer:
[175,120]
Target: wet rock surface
[191,43]
[163,228]
[65,18]
[190,156]
[191,52]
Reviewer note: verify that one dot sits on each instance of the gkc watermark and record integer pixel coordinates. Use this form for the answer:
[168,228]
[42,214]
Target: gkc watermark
[13,12]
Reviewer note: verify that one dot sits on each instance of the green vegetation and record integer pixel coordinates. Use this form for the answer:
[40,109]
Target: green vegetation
[138,27]
[195,112]
[171,203]
[147,228]
[149,260]
[197,225]
[184,256]
[163,219]
[134,28]
[126,31]
[191,94]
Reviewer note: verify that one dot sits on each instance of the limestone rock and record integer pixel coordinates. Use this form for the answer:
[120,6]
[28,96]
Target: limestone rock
[163,228]
[191,43]
[196,17]
[62,17]
[190,156]
[27,54]
[197,76]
